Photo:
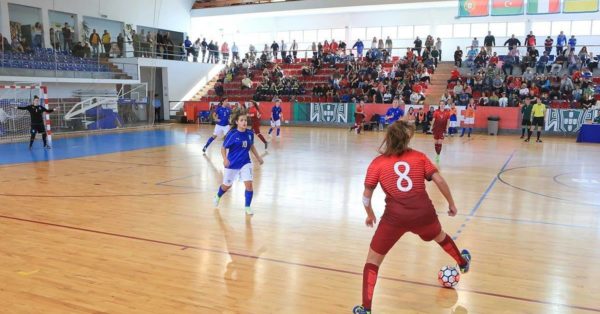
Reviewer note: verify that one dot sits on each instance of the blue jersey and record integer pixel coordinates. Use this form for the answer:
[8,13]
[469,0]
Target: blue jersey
[276,113]
[239,144]
[396,114]
[223,114]
[561,40]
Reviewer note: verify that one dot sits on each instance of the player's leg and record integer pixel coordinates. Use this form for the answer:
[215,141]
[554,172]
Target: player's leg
[229,176]
[529,131]
[45,140]
[384,239]
[246,174]
[219,131]
[470,130]
[540,125]
[278,125]
[523,129]
[32,138]
[272,127]
[462,258]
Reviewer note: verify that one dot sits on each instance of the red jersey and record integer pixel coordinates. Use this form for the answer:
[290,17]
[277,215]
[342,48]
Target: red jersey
[402,178]
[441,120]
[253,113]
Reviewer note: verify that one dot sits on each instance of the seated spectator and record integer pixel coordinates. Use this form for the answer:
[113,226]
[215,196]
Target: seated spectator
[219,90]
[246,83]
[16,45]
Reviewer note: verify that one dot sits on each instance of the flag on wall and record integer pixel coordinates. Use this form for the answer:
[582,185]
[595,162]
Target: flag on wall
[578,6]
[507,7]
[543,6]
[469,8]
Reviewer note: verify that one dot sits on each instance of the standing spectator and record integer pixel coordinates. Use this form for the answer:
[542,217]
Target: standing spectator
[458,54]
[204,46]
[37,35]
[275,48]
[512,43]
[169,47]
[157,105]
[548,44]
[143,44]
[438,46]
[121,45]
[561,41]
[196,49]
[294,49]
[160,48]
[572,43]
[67,37]
[435,54]
[283,50]
[225,52]
[475,43]
[374,43]
[188,47]
[429,42]
[106,41]
[314,50]
[53,41]
[540,67]
[210,48]
[530,41]
[489,41]
[418,45]
[151,38]
[137,49]
[388,45]
[359,48]
[95,42]
[236,52]
[215,51]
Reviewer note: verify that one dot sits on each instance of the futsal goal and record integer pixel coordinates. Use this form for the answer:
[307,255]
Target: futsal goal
[15,125]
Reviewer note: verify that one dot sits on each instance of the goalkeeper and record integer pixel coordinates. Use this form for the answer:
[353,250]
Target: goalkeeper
[37,120]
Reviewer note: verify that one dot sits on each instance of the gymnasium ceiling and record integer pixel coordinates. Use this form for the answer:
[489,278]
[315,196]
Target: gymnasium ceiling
[199,4]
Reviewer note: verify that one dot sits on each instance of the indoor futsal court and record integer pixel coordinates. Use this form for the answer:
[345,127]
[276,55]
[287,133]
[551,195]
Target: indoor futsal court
[299,156]
[132,229]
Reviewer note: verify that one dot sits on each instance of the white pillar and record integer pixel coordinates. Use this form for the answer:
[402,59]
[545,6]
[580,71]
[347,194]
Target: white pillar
[46,27]
[4,17]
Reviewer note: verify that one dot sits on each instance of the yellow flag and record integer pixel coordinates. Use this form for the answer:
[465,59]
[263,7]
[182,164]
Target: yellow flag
[577,6]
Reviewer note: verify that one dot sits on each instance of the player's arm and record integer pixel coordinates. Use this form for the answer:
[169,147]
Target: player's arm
[22,108]
[445,189]
[48,110]
[224,154]
[366,199]
[255,153]
[216,117]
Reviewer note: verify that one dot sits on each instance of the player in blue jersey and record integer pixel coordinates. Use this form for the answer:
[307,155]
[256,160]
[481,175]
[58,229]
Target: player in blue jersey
[395,113]
[239,142]
[221,117]
[276,117]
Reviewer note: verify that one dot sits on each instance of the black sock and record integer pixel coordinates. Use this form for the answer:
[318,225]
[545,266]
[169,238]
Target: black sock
[529,132]
[31,140]
[538,135]
[523,132]
[44,139]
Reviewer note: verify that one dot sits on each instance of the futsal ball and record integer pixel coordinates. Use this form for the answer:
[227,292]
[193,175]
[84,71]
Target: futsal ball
[448,276]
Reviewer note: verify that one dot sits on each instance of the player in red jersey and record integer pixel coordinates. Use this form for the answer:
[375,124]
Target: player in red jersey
[254,115]
[359,117]
[402,172]
[441,118]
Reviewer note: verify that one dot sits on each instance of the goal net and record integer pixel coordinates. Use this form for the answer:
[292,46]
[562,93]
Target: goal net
[15,124]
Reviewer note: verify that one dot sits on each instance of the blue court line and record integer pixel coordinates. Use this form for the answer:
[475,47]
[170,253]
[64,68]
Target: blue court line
[89,145]
[483,196]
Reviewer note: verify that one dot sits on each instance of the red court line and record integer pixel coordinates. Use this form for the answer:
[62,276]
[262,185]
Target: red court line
[184,247]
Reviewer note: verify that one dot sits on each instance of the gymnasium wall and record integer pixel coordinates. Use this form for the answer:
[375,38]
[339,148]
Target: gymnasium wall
[425,17]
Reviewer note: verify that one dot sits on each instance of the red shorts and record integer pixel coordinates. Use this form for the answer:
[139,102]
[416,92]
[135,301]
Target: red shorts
[256,128]
[387,235]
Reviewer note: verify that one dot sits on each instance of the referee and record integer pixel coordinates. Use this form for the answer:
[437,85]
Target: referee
[539,114]
[37,120]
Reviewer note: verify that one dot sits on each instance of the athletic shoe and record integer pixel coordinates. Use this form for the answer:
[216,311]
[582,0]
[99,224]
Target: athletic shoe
[527,141]
[538,141]
[204,149]
[266,145]
[437,159]
[359,309]
[217,200]
[522,137]
[467,256]
[47,147]
[249,211]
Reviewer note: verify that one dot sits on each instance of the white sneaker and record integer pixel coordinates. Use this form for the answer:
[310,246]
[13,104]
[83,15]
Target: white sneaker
[216,201]
[249,211]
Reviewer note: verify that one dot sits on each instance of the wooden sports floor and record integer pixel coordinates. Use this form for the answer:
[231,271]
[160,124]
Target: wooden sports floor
[136,231]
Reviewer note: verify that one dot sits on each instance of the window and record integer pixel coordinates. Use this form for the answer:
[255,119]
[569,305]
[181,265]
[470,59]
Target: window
[373,32]
[596,28]
[389,31]
[405,32]
[518,29]
[296,35]
[310,36]
[479,30]
[285,36]
[358,33]
[540,29]
[338,34]
[264,38]
[558,26]
[581,28]
[462,31]
[422,31]
[443,31]
[323,35]
[497,29]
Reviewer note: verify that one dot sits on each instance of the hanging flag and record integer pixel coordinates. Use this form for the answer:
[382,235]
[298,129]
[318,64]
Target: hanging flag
[469,8]
[507,7]
[543,6]
[578,6]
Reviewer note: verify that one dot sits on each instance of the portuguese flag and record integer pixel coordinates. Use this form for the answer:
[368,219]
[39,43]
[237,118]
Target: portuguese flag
[469,8]
[507,7]
[543,6]
[577,6]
